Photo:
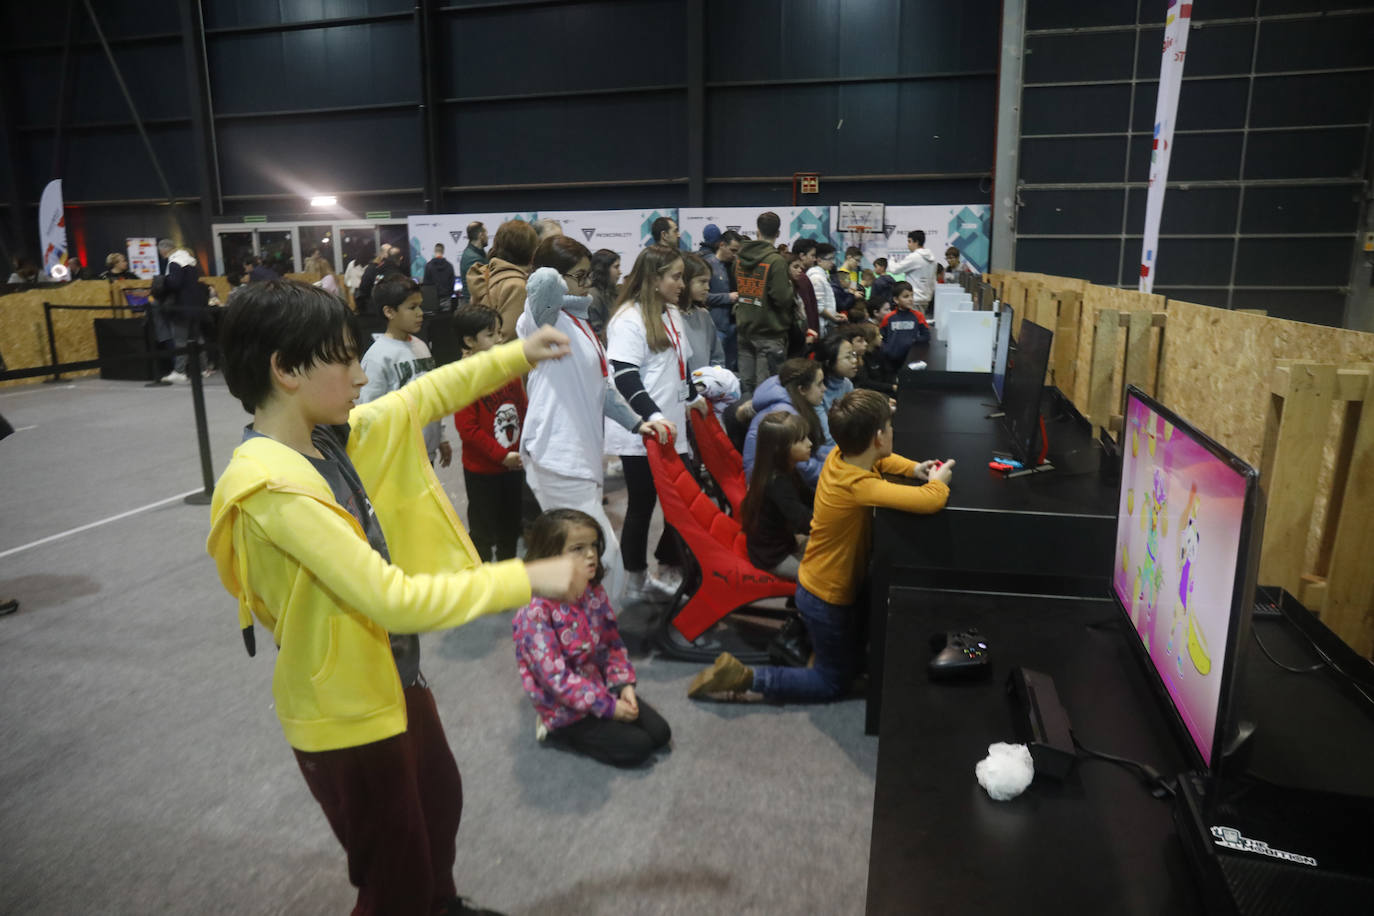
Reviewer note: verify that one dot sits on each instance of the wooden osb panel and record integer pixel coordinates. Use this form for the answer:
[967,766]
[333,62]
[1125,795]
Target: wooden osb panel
[1095,299]
[24,337]
[220,285]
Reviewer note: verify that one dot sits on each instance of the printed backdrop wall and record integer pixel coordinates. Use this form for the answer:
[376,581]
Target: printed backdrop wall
[965,226]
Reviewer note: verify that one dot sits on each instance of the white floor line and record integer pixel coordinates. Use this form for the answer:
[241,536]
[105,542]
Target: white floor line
[21,429]
[104,521]
[34,390]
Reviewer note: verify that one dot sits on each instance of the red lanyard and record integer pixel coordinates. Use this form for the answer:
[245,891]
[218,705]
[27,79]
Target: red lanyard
[596,341]
[675,338]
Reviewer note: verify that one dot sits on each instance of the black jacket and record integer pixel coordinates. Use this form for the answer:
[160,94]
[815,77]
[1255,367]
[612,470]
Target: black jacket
[439,272]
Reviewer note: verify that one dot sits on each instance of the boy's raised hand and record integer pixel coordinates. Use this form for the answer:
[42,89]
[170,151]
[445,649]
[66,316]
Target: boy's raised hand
[552,577]
[546,343]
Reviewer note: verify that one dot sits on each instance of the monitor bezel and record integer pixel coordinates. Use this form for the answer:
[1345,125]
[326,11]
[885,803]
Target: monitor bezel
[1027,452]
[1005,313]
[1242,598]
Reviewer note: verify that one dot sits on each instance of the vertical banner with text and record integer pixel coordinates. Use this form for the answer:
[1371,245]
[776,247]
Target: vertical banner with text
[52,227]
[1176,20]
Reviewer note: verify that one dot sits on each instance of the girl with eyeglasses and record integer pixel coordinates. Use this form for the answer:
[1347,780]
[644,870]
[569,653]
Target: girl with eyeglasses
[563,442]
[573,664]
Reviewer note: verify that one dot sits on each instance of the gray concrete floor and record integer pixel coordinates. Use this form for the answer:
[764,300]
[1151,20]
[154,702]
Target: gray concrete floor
[143,770]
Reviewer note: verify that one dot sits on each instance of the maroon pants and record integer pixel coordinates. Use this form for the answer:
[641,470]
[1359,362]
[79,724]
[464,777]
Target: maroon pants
[395,806]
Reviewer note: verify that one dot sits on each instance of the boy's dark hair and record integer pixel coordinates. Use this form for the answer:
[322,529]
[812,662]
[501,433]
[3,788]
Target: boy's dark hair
[853,251]
[471,320]
[302,324]
[548,535]
[917,236]
[901,286]
[727,237]
[824,250]
[660,226]
[802,246]
[391,292]
[439,247]
[952,250]
[559,252]
[856,418]
[474,229]
[769,224]
[880,262]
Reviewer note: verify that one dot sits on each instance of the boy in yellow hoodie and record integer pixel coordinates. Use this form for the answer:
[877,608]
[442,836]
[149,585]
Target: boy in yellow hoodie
[331,529]
[836,558]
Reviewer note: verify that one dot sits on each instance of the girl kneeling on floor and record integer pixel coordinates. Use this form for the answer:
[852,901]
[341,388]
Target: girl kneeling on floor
[573,663]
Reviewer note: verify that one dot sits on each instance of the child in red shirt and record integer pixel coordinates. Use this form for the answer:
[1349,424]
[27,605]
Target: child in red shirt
[490,431]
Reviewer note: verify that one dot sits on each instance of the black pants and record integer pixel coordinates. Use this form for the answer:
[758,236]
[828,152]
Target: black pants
[621,744]
[494,512]
[639,511]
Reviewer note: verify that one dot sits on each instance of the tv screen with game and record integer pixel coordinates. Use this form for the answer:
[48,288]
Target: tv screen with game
[1025,380]
[1001,349]
[1187,537]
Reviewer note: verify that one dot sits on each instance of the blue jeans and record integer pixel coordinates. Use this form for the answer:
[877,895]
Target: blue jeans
[834,631]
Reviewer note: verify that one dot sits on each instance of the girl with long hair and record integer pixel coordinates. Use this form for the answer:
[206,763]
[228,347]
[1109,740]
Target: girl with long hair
[701,330]
[573,663]
[798,388]
[603,281]
[563,441]
[648,347]
[776,514]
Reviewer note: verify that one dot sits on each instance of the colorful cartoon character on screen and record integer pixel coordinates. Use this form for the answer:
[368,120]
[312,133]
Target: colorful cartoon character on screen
[1189,540]
[1155,519]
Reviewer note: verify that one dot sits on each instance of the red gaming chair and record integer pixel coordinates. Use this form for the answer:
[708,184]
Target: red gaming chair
[727,580]
[721,458]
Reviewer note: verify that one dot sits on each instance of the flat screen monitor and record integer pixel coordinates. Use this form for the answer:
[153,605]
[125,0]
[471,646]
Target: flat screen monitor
[1025,380]
[1001,349]
[1188,529]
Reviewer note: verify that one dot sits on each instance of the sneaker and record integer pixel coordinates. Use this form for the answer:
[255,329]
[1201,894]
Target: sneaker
[614,469]
[8,606]
[175,376]
[541,731]
[726,677]
[460,907]
[207,373]
[669,577]
[642,587]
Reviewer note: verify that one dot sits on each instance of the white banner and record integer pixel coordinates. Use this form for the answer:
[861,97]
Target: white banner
[1166,111]
[625,232]
[450,230]
[797,222]
[52,227]
[961,226]
[142,254]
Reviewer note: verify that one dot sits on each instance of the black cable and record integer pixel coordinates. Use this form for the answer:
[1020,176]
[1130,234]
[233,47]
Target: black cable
[1150,777]
[1254,631]
[1326,662]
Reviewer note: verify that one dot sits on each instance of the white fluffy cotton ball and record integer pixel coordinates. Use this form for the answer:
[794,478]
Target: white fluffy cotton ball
[1006,771]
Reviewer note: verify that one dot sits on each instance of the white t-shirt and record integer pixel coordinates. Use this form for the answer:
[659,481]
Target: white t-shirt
[567,397]
[663,373]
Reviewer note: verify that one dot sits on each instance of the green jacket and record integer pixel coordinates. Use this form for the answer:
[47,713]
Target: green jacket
[766,306]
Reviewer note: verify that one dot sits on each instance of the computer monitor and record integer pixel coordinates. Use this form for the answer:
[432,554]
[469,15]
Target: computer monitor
[1188,530]
[1001,349]
[1025,380]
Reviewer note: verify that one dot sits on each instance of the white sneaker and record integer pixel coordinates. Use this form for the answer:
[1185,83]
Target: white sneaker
[614,469]
[175,376]
[642,587]
[669,577]
[541,731]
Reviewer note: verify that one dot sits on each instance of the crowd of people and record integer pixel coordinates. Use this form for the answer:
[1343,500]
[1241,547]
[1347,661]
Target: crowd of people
[331,529]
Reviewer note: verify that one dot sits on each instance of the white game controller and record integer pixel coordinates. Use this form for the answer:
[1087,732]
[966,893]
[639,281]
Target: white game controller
[919,364]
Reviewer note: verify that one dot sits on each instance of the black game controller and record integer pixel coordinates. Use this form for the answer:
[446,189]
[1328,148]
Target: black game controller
[959,655]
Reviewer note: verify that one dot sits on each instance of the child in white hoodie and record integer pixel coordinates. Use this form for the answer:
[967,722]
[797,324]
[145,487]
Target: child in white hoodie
[919,267]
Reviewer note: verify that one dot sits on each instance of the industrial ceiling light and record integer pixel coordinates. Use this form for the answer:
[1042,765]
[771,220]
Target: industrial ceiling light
[324,201]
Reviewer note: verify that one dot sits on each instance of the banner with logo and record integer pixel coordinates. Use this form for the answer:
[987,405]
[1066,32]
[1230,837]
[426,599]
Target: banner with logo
[962,226]
[450,230]
[797,222]
[1176,23]
[625,232]
[142,255]
[52,226]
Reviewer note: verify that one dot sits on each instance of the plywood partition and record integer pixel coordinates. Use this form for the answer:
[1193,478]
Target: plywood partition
[1095,299]
[24,336]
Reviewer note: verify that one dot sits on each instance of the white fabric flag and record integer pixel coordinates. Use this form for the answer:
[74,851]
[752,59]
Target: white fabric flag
[52,226]
[1176,21]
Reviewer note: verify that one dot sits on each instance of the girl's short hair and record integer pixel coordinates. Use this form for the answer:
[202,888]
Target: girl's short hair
[559,252]
[471,320]
[515,241]
[548,536]
[641,287]
[777,433]
[693,266]
[302,325]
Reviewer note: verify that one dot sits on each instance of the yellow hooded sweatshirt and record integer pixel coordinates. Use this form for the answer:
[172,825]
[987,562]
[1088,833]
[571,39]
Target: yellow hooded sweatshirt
[299,562]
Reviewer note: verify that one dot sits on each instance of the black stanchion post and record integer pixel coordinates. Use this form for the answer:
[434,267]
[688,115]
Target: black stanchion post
[52,344]
[202,426]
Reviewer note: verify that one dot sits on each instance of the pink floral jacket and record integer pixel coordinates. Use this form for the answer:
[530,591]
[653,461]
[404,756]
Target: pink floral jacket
[571,657]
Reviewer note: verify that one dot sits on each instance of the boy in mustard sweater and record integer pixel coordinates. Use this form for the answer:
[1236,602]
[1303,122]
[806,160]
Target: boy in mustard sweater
[331,529]
[836,557]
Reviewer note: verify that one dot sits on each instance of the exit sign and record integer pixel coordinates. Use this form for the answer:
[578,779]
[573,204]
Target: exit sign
[255,219]
[378,214]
